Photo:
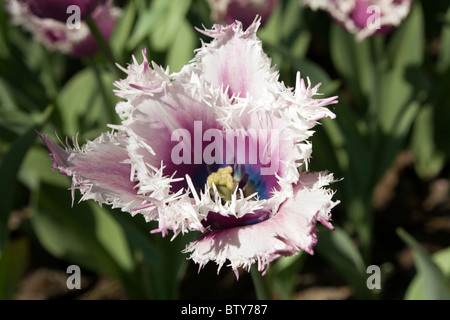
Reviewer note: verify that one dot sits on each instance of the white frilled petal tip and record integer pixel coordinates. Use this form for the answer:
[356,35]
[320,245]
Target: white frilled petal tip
[312,109]
[291,229]
[142,78]
[236,62]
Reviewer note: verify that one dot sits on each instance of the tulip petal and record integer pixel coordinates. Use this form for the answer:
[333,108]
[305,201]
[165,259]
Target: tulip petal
[291,229]
[99,170]
[235,61]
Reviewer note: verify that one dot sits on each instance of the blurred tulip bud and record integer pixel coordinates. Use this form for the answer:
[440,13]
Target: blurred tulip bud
[244,11]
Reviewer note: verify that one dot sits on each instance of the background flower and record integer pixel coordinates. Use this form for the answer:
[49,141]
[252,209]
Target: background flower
[364,18]
[56,35]
[244,11]
[57,9]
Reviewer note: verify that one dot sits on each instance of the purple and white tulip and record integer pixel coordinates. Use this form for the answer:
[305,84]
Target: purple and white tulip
[364,18]
[57,36]
[220,147]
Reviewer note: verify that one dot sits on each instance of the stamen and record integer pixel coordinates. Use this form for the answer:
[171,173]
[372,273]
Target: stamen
[226,180]
[223,181]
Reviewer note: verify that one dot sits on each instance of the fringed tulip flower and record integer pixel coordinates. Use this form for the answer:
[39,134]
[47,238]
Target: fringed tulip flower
[364,18]
[77,40]
[220,147]
[242,10]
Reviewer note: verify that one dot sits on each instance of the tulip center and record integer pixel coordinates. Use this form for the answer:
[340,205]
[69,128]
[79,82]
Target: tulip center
[226,180]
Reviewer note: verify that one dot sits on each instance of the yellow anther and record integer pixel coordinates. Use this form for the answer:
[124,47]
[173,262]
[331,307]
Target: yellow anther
[223,180]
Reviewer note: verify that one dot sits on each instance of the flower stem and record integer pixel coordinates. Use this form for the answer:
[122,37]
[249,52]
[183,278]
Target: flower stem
[107,99]
[261,283]
[103,44]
